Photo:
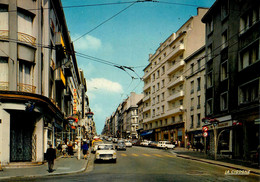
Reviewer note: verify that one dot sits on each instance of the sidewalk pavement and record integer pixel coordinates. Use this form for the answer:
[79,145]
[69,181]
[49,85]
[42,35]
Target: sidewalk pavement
[221,161]
[62,165]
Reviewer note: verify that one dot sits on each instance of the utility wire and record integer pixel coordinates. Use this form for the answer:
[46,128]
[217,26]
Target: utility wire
[105,21]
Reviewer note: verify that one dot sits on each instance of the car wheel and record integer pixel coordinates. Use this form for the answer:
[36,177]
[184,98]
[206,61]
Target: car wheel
[166,148]
[114,160]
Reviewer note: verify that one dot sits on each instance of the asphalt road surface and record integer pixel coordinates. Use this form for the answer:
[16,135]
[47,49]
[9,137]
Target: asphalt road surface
[147,165]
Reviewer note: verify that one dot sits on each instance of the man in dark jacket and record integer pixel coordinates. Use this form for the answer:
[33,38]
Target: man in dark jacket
[50,156]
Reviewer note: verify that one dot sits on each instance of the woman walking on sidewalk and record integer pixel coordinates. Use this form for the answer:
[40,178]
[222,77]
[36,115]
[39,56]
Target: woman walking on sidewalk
[85,149]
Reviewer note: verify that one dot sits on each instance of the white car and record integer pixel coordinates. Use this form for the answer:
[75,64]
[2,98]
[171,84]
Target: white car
[145,143]
[95,146]
[128,144]
[105,152]
[165,145]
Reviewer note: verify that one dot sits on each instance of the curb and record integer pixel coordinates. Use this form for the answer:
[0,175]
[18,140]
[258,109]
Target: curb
[218,164]
[49,174]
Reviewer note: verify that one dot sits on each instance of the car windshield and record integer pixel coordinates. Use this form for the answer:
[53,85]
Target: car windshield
[105,147]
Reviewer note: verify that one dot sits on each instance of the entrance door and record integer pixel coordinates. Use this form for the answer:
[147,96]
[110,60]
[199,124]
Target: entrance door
[21,137]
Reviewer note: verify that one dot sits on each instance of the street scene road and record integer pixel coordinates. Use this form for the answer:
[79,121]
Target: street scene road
[148,164]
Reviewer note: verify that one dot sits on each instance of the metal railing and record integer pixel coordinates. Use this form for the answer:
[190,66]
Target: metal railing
[4,34]
[26,38]
[4,85]
[26,88]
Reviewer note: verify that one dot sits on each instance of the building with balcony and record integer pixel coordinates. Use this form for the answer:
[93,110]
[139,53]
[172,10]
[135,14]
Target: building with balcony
[232,75]
[195,95]
[164,109]
[40,84]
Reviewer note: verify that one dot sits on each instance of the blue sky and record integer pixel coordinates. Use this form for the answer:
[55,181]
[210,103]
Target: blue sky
[127,39]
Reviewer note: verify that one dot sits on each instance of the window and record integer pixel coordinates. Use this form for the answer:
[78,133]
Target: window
[159,59]
[173,62]
[191,121]
[191,104]
[164,54]
[192,87]
[199,62]
[4,72]
[163,96]
[181,56]
[198,106]
[249,19]
[153,112]
[249,56]
[166,121]
[249,92]
[163,69]
[25,73]
[209,79]
[158,98]
[209,52]
[156,123]
[198,120]
[160,122]
[181,41]
[181,86]
[181,117]
[158,73]
[4,19]
[151,125]
[224,9]
[163,82]
[162,109]
[173,119]
[224,70]
[158,86]
[192,68]
[173,90]
[209,106]
[224,40]
[153,100]
[223,101]
[25,23]
[153,89]
[153,77]
[199,83]
[210,26]
[181,102]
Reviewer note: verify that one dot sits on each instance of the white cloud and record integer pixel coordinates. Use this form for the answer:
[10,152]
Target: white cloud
[102,84]
[87,43]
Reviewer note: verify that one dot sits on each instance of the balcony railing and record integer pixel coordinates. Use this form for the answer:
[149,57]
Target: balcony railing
[176,81]
[4,85]
[175,96]
[26,88]
[4,34]
[175,66]
[26,38]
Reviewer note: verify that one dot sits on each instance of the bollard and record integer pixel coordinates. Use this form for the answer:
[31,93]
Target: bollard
[1,169]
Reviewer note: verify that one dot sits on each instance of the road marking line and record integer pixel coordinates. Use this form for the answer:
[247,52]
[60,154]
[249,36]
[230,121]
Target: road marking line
[146,155]
[167,155]
[124,155]
[157,155]
[135,155]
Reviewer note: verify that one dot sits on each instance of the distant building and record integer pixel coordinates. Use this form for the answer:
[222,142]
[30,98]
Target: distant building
[232,75]
[164,82]
[195,95]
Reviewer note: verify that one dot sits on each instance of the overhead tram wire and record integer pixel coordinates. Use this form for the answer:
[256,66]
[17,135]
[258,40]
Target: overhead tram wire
[104,22]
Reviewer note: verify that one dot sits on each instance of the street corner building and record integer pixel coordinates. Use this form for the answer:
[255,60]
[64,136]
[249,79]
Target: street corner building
[41,87]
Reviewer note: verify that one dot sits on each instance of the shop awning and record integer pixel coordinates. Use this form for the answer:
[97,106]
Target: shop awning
[146,133]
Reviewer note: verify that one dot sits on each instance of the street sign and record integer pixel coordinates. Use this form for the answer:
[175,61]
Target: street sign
[205,134]
[205,128]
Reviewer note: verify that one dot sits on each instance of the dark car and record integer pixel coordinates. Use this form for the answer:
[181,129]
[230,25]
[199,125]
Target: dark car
[121,145]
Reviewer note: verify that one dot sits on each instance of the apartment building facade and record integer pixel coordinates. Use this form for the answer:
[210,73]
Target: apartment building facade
[40,85]
[164,82]
[195,95]
[232,73]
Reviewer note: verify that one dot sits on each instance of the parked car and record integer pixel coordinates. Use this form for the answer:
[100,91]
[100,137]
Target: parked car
[165,145]
[128,144]
[105,152]
[95,145]
[145,143]
[120,145]
[153,144]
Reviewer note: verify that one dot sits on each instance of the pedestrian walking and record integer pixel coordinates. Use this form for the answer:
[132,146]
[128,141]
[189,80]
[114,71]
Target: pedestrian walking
[64,149]
[85,149]
[70,149]
[50,156]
